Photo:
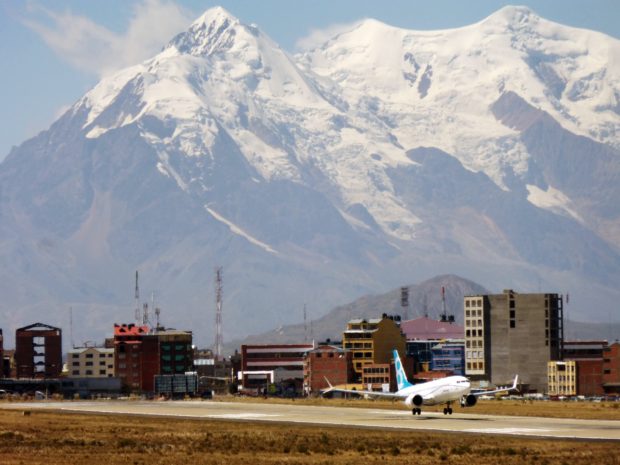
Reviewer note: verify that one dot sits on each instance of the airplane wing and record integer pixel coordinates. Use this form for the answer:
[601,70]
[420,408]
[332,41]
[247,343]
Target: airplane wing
[504,389]
[392,395]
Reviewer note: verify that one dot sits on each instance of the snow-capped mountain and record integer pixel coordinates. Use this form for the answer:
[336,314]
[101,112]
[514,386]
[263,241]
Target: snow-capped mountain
[381,157]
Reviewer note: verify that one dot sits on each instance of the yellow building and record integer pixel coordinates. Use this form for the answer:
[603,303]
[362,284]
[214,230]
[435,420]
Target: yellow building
[90,362]
[372,341]
[562,378]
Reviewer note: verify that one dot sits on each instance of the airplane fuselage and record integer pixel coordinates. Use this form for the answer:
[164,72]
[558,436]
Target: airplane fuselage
[440,391]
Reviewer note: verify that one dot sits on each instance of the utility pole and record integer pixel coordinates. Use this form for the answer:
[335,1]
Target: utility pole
[137,297]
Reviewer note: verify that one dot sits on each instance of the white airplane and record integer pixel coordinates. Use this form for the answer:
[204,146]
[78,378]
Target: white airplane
[445,390]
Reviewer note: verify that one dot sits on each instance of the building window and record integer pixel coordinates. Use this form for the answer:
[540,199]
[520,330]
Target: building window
[512,323]
[75,372]
[89,355]
[89,364]
[102,372]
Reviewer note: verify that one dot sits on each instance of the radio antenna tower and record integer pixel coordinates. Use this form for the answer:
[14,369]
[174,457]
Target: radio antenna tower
[218,313]
[305,325]
[138,316]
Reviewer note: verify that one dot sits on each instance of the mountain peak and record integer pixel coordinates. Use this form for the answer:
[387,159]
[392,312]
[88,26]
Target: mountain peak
[514,17]
[214,29]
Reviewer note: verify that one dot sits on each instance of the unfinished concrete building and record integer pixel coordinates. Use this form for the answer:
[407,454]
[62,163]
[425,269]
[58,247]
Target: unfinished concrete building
[511,333]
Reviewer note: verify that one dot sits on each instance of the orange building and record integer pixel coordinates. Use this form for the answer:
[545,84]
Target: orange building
[372,341]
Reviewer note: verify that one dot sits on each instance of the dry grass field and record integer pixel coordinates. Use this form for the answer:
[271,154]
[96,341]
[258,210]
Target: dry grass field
[49,438]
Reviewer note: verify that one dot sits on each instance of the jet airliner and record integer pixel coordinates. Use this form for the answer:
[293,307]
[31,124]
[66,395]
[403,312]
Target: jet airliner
[445,390]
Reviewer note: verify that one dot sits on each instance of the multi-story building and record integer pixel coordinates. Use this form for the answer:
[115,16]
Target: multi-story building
[588,358]
[141,353]
[272,363]
[378,377]
[372,341]
[611,369]
[511,333]
[136,357]
[38,351]
[90,362]
[176,352]
[326,362]
[449,356]
[562,378]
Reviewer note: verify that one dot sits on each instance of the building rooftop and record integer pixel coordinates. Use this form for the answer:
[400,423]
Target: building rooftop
[130,330]
[426,328]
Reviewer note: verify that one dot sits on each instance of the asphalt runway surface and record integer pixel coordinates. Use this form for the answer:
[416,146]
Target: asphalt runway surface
[470,422]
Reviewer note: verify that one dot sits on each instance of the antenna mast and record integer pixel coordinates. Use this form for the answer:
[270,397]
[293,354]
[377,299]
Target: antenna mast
[305,325]
[444,316]
[71,326]
[218,313]
[137,297]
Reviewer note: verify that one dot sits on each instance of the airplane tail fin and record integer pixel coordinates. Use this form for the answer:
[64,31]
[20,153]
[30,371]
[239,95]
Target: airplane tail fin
[401,377]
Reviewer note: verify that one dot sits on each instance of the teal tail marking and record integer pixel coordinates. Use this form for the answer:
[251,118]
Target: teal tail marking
[401,377]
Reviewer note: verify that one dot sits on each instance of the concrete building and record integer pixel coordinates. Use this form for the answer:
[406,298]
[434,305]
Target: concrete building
[511,333]
[611,369]
[372,341]
[38,351]
[562,378]
[90,362]
[326,361]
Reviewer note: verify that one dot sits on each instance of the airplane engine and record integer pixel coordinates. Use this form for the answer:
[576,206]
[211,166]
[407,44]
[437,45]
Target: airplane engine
[470,400]
[414,400]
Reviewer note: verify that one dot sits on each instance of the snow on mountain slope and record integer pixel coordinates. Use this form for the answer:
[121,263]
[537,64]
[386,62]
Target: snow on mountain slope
[221,75]
[435,88]
[488,151]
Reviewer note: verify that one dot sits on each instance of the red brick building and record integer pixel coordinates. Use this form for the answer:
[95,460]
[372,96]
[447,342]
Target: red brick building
[327,361]
[590,377]
[611,369]
[140,354]
[136,357]
[38,351]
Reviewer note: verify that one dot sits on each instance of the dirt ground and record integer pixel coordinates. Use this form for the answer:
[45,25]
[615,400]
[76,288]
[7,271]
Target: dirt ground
[49,438]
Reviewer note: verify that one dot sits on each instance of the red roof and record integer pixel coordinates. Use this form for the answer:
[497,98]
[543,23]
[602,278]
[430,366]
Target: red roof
[130,330]
[425,328]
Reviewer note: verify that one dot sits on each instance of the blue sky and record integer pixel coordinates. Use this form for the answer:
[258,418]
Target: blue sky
[53,51]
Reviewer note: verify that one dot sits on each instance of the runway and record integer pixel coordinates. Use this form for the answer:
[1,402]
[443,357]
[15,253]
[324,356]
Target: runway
[470,423]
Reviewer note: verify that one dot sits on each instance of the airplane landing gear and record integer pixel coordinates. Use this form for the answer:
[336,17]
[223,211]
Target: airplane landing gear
[447,411]
[416,411]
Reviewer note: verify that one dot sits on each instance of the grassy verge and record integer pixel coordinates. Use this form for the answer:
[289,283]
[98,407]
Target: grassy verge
[55,438]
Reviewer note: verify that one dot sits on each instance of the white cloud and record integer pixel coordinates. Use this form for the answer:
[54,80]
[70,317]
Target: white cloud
[93,48]
[318,37]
